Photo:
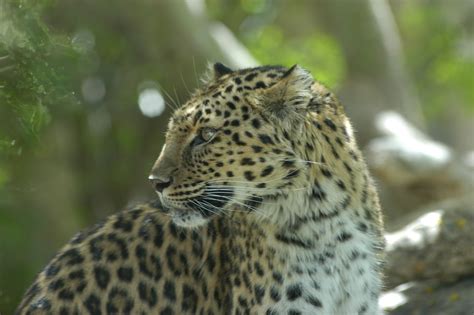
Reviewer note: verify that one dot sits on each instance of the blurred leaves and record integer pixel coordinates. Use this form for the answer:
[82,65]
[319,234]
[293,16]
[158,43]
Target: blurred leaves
[318,53]
[440,53]
[33,74]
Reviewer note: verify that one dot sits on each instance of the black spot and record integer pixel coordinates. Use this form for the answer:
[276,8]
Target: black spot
[190,299]
[118,302]
[102,277]
[291,240]
[253,202]
[341,184]
[56,284]
[51,270]
[92,303]
[247,161]
[167,311]
[271,311]
[65,294]
[231,105]
[237,80]
[275,294]
[211,262]
[266,171]
[265,139]
[257,148]
[292,174]
[346,202]
[243,302]
[236,139]
[362,309]
[249,175]
[95,249]
[318,193]
[362,227]
[71,257]
[348,168]
[147,294]
[294,292]
[259,269]
[278,277]
[158,239]
[288,163]
[294,312]
[326,172]
[260,85]
[120,243]
[250,76]
[235,123]
[344,236]
[256,123]
[169,291]
[77,274]
[125,274]
[122,224]
[259,293]
[314,301]
[330,124]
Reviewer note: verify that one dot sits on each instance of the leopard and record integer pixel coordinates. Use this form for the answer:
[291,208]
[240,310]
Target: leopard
[265,206]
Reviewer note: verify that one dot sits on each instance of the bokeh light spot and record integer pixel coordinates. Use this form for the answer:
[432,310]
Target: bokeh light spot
[151,102]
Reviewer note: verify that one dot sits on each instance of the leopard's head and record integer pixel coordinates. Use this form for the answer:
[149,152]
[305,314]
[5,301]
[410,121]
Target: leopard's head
[231,146]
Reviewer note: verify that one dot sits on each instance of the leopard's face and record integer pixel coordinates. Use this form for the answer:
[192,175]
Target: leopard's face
[223,152]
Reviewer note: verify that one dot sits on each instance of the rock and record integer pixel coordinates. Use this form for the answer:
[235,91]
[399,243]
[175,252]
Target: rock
[420,298]
[412,170]
[438,245]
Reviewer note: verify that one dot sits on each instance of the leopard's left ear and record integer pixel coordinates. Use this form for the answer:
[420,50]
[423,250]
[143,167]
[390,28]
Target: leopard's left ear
[220,70]
[215,71]
[290,95]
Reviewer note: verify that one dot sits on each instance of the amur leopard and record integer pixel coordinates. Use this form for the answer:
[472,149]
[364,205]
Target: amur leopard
[265,206]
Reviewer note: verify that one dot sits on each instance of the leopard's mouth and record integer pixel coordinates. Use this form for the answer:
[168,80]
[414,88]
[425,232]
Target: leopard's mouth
[198,209]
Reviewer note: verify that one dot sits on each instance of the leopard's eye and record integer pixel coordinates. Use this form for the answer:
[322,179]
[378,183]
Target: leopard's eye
[207,133]
[204,135]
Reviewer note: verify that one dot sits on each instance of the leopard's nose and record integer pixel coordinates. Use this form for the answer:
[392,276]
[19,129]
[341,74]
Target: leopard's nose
[160,183]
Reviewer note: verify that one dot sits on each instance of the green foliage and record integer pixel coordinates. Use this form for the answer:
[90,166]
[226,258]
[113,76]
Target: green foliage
[440,58]
[35,66]
[33,74]
[318,53]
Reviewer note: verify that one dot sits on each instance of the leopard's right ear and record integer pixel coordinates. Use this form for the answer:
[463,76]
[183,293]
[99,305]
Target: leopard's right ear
[289,97]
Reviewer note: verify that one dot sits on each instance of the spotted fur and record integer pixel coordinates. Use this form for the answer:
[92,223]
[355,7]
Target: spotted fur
[266,207]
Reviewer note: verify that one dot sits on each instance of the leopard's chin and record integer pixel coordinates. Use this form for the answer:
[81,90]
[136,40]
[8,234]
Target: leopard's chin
[188,219]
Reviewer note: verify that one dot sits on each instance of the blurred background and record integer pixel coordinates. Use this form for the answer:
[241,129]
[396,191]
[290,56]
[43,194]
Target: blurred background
[87,87]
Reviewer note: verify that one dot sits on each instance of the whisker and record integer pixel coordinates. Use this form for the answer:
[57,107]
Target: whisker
[256,210]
